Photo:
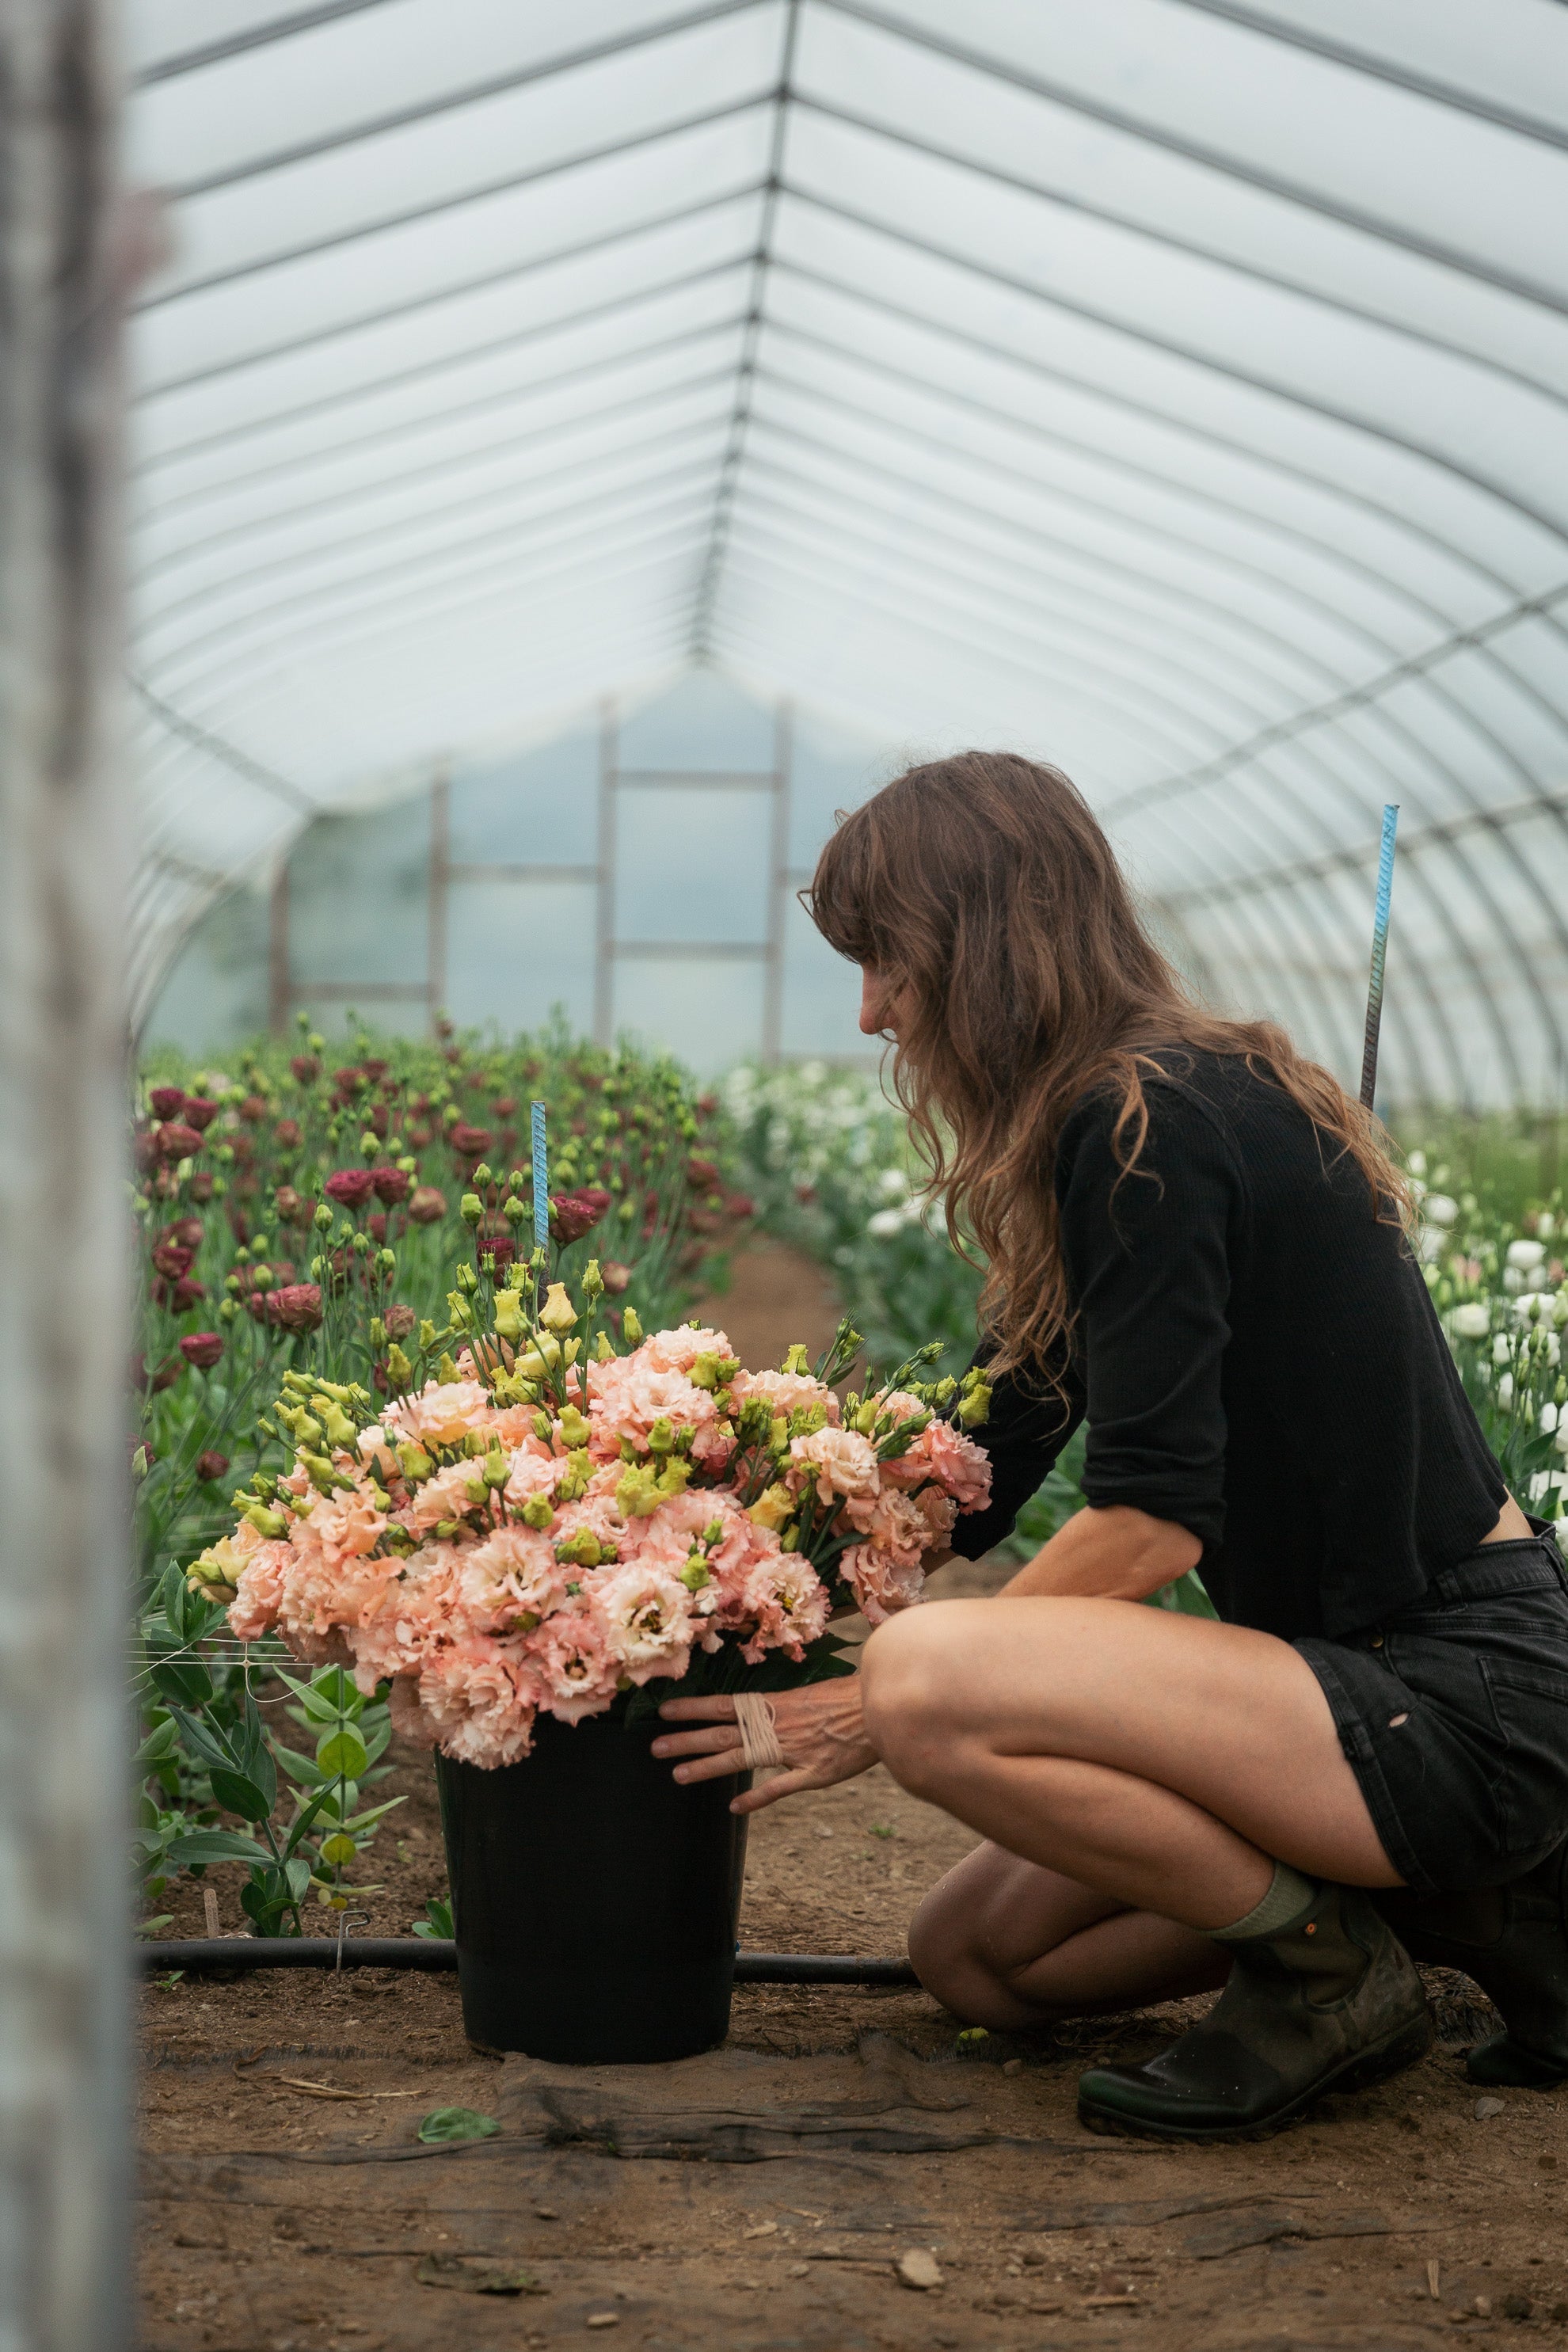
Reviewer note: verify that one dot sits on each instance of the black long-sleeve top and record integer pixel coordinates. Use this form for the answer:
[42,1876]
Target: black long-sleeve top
[1258,1359]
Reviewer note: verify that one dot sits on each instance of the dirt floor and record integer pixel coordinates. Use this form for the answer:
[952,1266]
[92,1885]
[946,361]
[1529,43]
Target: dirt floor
[763,2197]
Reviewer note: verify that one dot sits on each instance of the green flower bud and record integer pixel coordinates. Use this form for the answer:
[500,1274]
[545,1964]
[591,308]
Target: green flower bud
[579,1470]
[416,1463]
[514,1209]
[426,1336]
[592,1281]
[369,1144]
[267,1522]
[229,1310]
[476,1490]
[537,1512]
[509,1315]
[696,1573]
[399,1371]
[631,1324]
[445,1529]
[974,1406]
[322,1220]
[797,1361]
[603,1351]
[482,1176]
[470,1208]
[583,1548]
[497,1470]
[573,1428]
[446,1370]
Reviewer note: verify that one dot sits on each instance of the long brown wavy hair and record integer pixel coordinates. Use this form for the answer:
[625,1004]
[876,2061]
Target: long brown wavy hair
[983,887]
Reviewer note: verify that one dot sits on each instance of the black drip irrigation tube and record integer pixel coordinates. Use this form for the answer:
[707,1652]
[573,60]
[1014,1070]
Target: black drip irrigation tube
[435,1956]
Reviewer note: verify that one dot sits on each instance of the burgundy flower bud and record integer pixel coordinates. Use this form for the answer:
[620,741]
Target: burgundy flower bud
[375,1119]
[202,1348]
[374,1069]
[286,1133]
[573,1214]
[740,1204]
[615,1276]
[390,1185]
[211,1466]
[505,1105]
[293,1208]
[167,1102]
[418,1135]
[176,1141]
[499,1248]
[428,1205]
[254,1109]
[399,1322]
[201,1185]
[173,1259]
[347,1079]
[297,1307]
[707,1105]
[376,1227]
[470,1142]
[185,1292]
[199,1112]
[243,1147]
[146,1151]
[185,1231]
[306,1068]
[140,1445]
[351,1187]
[701,1175]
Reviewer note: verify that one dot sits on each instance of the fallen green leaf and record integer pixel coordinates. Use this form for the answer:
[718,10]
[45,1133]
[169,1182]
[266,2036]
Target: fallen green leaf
[458,2122]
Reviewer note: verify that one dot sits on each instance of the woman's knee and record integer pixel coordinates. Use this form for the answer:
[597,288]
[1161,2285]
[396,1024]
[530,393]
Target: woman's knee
[907,1694]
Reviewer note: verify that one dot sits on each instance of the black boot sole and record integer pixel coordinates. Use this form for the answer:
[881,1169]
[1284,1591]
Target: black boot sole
[1391,2056]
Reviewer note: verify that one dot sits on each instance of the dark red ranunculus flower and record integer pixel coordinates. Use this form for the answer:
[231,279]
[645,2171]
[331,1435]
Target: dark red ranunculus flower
[173,1259]
[391,1184]
[505,1105]
[376,1227]
[146,1149]
[399,1322]
[293,1208]
[615,1276]
[286,1133]
[186,1231]
[199,1112]
[181,1295]
[176,1141]
[701,1175]
[351,1187]
[740,1204]
[211,1466]
[201,1184]
[469,1142]
[297,1307]
[573,1214]
[202,1348]
[167,1373]
[418,1135]
[254,1109]
[305,1067]
[374,1069]
[499,1248]
[428,1205]
[167,1102]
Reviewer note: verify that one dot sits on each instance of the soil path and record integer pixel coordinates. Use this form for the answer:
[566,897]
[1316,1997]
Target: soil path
[281,2218]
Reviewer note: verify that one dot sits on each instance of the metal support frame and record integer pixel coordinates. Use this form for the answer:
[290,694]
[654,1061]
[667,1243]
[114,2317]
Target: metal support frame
[66,253]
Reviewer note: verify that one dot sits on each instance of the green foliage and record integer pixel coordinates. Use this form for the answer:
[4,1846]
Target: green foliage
[437,1925]
[456,2122]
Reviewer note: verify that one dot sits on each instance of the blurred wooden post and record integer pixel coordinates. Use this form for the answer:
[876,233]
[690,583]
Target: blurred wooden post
[65,251]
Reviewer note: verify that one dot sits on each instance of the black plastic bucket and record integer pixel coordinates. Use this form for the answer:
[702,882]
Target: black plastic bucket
[595,1899]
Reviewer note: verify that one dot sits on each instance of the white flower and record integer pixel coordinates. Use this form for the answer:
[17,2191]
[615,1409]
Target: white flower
[885,1222]
[1526,1256]
[1532,1306]
[1546,1224]
[1512,1278]
[1472,1321]
[1439,1209]
[893,1184]
[1429,1245]
[1502,1346]
[1561,1440]
[1560,1529]
[1504,1390]
[1548,1418]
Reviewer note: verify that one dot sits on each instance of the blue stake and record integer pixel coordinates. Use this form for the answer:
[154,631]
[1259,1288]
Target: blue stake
[1379,950]
[540,1181]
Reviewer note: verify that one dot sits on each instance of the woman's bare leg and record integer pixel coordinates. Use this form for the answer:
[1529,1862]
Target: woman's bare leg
[1007,1944]
[1166,1761]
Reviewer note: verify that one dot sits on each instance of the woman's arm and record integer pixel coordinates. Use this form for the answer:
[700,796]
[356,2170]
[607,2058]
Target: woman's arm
[1113,1553]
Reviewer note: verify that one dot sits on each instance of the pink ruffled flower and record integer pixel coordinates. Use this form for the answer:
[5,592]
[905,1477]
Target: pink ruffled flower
[264,1563]
[787,1604]
[646,1618]
[678,1350]
[786,1392]
[444,1497]
[480,1698]
[959,1467]
[513,1573]
[572,1658]
[842,1462]
[628,1396]
[881,1583]
[443,1412]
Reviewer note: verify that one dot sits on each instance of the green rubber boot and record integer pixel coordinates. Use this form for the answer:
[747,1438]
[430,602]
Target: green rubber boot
[1513,1940]
[1329,2003]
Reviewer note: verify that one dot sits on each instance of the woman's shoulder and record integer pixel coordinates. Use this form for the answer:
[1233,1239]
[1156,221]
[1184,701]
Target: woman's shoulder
[1193,1102]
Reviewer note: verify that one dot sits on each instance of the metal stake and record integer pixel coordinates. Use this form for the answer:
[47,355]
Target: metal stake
[1379,950]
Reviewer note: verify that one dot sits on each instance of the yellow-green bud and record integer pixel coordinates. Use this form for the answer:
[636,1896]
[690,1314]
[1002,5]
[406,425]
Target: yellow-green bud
[497,1469]
[797,1360]
[267,1522]
[773,1508]
[631,1324]
[537,1512]
[509,1315]
[593,1280]
[636,1492]
[470,1208]
[557,1314]
[416,1463]
[696,1573]
[514,1209]
[427,1334]
[974,1406]
[483,1175]
[603,1351]
[579,1470]
[377,1333]
[399,1371]
[322,1220]
[369,1144]
[583,1548]
[573,1428]
[446,1529]
[476,1490]
[662,1436]
[340,1429]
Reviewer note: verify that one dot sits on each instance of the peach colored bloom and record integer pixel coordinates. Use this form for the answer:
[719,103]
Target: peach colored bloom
[444,1497]
[513,1573]
[443,1412]
[678,1350]
[786,1391]
[646,1618]
[572,1658]
[842,1462]
[880,1584]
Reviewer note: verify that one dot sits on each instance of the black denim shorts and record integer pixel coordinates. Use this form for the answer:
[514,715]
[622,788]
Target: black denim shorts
[1455,1717]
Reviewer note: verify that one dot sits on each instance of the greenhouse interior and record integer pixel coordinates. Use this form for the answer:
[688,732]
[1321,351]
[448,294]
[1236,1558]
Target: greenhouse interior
[493,499]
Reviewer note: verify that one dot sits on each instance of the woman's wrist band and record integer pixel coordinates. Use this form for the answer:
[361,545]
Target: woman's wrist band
[759,1731]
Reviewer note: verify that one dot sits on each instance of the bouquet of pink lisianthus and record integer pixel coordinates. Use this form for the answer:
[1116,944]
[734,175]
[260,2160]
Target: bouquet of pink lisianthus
[552,1523]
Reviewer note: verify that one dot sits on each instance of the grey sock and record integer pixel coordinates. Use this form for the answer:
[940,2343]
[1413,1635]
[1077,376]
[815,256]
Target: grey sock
[1289,1893]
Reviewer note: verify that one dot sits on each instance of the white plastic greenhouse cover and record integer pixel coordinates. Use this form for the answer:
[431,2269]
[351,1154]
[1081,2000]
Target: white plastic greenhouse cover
[1172,388]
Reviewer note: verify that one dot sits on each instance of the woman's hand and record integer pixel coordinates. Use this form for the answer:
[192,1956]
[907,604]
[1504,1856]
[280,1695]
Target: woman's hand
[819,1728]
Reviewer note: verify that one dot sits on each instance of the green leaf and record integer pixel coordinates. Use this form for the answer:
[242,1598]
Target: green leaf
[319,1709]
[372,1813]
[342,1753]
[299,1828]
[211,1845]
[297,1874]
[376,1741]
[161,1741]
[236,1792]
[151,1927]
[298,1768]
[201,1740]
[436,1924]
[458,2122]
[184,1681]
